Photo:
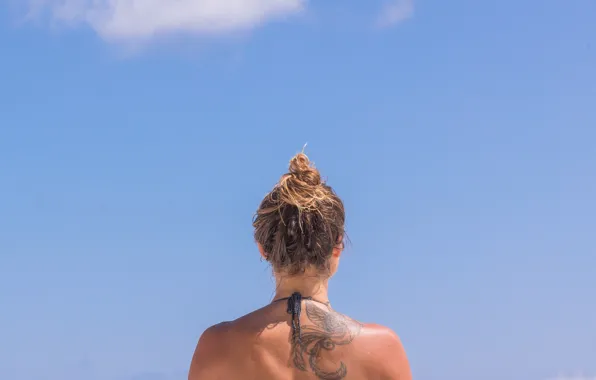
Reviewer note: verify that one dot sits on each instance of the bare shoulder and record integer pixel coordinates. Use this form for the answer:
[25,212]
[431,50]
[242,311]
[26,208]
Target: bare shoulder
[387,355]
[207,359]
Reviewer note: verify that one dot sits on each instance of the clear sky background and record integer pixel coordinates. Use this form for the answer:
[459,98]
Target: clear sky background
[136,143]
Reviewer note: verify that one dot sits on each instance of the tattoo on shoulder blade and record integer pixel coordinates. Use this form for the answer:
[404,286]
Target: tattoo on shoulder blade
[328,330]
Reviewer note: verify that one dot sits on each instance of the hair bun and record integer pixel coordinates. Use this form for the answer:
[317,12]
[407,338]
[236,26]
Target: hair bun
[302,169]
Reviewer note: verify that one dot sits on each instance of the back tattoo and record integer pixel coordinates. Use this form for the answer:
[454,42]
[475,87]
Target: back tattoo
[328,330]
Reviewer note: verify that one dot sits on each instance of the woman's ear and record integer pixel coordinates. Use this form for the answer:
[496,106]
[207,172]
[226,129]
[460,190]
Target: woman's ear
[338,249]
[262,251]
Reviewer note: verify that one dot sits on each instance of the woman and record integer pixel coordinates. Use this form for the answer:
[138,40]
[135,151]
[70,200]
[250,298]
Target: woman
[299,230]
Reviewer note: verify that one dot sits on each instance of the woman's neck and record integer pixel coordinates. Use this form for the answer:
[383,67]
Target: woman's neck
[308,285]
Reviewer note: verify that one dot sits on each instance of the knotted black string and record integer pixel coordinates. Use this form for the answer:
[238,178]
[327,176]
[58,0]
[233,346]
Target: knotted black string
[295,308]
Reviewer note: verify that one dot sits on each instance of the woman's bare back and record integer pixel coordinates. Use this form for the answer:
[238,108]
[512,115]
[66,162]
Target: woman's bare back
[328,345]
[299,228]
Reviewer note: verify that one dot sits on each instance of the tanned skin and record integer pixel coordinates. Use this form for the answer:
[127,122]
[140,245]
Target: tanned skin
[333,347]
[258,346]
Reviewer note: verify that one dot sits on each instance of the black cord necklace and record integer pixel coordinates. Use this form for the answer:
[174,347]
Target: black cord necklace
[327,303]
[294,309]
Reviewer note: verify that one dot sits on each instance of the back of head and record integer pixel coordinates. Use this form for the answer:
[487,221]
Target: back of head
[301,220]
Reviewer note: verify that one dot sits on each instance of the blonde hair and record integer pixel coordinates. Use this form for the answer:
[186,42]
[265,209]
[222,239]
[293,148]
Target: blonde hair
[300,221]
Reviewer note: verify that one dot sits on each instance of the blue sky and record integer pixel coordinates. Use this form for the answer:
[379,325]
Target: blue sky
[136,143]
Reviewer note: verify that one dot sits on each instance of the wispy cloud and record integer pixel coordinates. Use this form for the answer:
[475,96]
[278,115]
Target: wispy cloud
[143,19]
[395,12]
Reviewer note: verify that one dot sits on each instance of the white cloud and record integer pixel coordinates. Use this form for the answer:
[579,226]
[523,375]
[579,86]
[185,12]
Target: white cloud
[395,12]
[143,19]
